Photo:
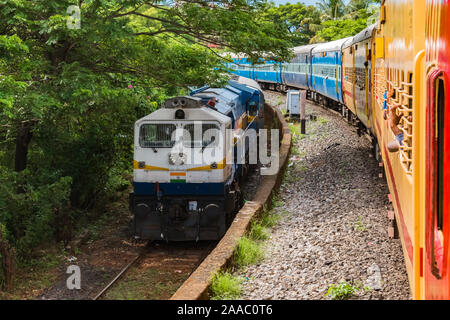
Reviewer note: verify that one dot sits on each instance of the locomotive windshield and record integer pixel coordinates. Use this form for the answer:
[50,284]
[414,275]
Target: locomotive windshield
[209,134]
[157,135]
[164,135]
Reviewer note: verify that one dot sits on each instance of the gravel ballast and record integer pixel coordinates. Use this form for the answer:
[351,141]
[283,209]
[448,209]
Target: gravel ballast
[333,225]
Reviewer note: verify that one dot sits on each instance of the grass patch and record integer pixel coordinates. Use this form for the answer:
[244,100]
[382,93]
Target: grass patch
[277,202]
[289,177]
[359,225]
[294,151]
[225,286]
[258,231]
[269,219]
[259,228]
[150,284]
[36,274]
[294,127]
[322,120]
[341,291]
[296,132]
[279,101]
[248,251]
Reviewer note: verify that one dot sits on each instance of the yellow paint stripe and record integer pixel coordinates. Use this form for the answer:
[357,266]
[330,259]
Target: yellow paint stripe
[220,166]
[148,167]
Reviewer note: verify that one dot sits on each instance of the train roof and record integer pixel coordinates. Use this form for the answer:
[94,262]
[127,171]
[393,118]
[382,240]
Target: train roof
[335,45]
[192,114]
[365,34]
[248,82]
[304,49]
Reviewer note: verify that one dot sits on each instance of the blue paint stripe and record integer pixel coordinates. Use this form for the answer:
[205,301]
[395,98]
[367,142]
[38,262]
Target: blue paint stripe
[147,188]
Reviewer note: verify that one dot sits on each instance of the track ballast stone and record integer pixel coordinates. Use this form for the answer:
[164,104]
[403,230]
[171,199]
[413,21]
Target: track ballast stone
[334,221]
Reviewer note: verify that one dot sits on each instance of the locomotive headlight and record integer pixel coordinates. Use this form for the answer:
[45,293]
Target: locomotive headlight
[213,165]
[171,159]
[177,158]
[182,158]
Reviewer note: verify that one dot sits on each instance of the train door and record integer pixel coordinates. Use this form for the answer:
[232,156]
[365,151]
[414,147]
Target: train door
[347,77]
[368,84]
[278,70]
[360,83]
[337,63]
[308,72]
[437,205]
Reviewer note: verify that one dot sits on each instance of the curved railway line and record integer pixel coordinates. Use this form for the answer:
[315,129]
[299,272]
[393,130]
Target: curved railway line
[173,258]
[176,260]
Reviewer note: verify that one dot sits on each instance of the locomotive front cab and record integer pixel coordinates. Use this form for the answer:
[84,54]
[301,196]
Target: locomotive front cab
[180,172]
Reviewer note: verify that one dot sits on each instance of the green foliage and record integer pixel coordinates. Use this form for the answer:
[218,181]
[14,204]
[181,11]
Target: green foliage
[331,9]
[276,202]
[322,120]
[225,286]
[258,231]
[248,252]
[348,20]
[269,219]
[359,225]
[338,29]
[300,20]
[342,290]
[329,20]
[69,97]
[29,217]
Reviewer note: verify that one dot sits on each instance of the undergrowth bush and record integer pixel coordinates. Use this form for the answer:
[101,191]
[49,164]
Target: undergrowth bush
[29,214]
[225,286]
[248,252]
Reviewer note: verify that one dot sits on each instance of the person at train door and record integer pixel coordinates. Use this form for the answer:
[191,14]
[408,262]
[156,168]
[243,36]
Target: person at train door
[393,120]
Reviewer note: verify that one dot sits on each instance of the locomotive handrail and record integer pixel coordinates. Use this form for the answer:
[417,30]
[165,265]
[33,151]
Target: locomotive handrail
[239,137]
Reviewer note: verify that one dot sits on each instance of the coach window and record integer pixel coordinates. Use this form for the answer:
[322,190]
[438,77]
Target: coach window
[439,138]
[156,135]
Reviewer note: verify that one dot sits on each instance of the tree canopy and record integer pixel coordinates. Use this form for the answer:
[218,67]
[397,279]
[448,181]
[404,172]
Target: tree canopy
[69,96]
[329,20]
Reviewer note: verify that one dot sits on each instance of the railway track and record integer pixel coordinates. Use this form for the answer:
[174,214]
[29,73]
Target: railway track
[174,260]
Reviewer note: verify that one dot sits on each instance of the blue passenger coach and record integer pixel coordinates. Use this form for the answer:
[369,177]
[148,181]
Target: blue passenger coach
[241,66]
[269,72]
[327,69]
[298,73]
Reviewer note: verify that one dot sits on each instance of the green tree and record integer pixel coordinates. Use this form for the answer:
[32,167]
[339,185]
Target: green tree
[300,20]
[359,14]
[69,97]
[331,9]
[338,29]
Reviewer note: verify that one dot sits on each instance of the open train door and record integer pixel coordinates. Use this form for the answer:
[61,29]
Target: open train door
[437,206]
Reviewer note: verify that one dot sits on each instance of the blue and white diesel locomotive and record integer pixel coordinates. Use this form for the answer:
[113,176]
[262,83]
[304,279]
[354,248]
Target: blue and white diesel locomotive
[186,177]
